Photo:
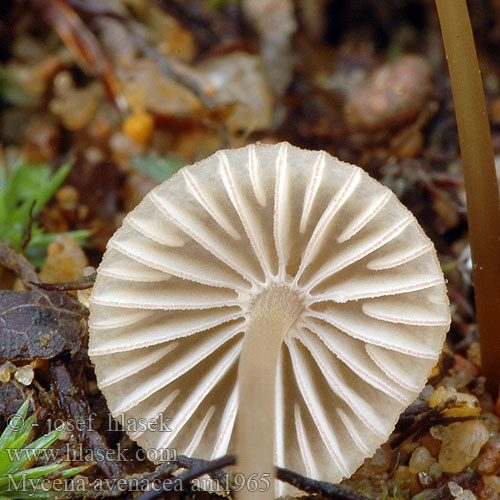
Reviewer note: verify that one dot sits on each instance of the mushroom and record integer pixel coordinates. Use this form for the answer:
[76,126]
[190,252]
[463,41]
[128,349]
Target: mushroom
[275,286]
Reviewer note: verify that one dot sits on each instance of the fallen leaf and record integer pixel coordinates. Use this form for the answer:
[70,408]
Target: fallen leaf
[39,324]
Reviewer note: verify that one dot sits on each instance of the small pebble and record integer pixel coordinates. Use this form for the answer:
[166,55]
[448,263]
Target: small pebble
[492,481]
[462,442]
[467,495]
[488,461]
[426,391]
[238,79]
[436,471]
[394,94]
[65,260]
[75,106]
[488,493]
[433,445]
[492,422]
[25,375]
[378,464]
[455,489]
[425,479]
[406,480]
[420,460]
[474,353]
[465,376]
[5,371]
[139,127]
[84,298]
[122,147]
[67,197]
[448,382]
[466,404]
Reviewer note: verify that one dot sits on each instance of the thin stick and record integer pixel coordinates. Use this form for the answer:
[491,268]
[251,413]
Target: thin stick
[483,206]
[176,484]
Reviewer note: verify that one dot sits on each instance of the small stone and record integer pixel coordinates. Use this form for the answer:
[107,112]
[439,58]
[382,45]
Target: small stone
[408,447]
[467,495]
[122,147]
[145,86]
[462,442]
[488,493]
[436,471]
[488,461]
[448,382]
[428,389]
[139,127]
[5,371]
[376,465]
[492,481]
[426,494]
[394,94]
[455,489]
[65,260]
[67,198]
[432,444]
[474,353]
[425,479]
[464,377]
[420,460]
[491,421]
[75,106]
[466,404]
[83,296]
[406,480]
[238,79]
[463,364]
[25,375]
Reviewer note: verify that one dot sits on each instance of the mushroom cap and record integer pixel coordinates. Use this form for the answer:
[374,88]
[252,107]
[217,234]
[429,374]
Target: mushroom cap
[176,286]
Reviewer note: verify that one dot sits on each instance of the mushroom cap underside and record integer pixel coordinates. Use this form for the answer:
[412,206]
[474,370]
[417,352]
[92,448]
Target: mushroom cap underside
[176,286]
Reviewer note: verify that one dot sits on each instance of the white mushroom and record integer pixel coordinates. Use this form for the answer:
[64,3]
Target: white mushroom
[282,278]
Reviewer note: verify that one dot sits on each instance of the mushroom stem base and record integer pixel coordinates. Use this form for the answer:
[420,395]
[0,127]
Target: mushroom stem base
[273,314]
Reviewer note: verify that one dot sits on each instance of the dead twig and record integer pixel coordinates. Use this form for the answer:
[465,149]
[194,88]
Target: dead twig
[19,264]
[199,468]
[420,423]
[323,488]
[80,284]
[83,45]
[175,71]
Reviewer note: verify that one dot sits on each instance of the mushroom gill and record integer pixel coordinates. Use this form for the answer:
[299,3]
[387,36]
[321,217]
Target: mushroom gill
[271,301]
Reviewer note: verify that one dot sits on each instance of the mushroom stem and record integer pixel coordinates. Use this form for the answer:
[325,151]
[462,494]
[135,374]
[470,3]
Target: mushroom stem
[273,314]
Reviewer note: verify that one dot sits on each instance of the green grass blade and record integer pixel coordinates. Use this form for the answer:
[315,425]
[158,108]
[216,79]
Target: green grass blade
[50,187]
[33,450]
[34,472]
[10,432]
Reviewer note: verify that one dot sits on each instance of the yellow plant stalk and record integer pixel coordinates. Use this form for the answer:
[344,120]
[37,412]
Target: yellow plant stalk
[483,206]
